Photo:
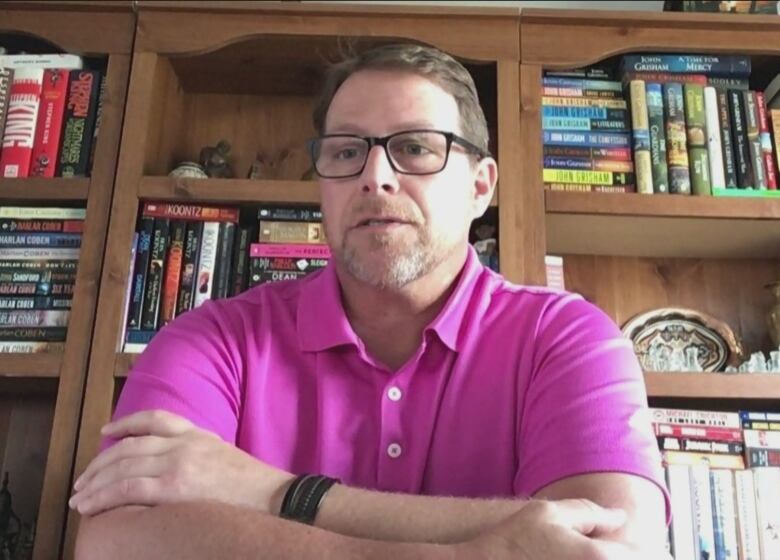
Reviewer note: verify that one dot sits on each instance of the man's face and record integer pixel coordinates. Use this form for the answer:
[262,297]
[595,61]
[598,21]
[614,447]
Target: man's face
[385,228]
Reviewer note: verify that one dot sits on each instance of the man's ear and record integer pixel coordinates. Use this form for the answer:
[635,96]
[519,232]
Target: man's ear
[485,178]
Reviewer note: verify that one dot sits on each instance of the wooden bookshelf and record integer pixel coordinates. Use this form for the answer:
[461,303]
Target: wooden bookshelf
[36,190]
[123,364]
[47,389]
[747,386]
[228,190]
[43,364]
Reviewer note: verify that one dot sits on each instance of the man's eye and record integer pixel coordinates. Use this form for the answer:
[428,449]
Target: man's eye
[346,153]
[412,149]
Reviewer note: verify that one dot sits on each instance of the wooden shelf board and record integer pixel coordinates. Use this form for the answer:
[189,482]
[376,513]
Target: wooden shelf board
[40,189]
[713,385]
[662,225]
[123,363]
[39,364]
[228,190]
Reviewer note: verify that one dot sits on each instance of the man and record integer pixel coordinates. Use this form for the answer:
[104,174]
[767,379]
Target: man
[440,396]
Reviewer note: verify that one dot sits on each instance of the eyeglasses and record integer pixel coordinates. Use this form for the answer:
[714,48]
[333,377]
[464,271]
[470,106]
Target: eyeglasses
[411,152]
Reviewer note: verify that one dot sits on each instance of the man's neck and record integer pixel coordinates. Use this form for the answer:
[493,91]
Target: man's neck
[405,312]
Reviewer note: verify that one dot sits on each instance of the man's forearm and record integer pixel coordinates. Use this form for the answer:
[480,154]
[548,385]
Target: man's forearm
[211,530]
[410,518]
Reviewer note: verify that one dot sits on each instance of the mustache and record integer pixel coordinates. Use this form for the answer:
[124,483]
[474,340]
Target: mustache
[382,208]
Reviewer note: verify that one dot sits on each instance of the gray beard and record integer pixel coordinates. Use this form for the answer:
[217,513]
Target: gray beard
[403,265]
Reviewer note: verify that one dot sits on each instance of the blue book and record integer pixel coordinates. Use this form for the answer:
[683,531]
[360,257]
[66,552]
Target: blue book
[735,66]
[590,139]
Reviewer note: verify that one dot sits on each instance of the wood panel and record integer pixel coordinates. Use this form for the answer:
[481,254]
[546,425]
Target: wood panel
[731,290]
[228,190]
[599,36]
[41,364]
[37,190]
[479,37]
[748,386]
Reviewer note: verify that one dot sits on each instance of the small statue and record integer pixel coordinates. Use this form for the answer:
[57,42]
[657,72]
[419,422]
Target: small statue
[267,167]
[214,160]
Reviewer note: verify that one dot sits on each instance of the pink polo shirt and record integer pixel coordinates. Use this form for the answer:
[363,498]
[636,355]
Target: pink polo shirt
[512,388]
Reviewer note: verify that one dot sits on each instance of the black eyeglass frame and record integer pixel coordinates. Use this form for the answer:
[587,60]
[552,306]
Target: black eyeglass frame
[372,141]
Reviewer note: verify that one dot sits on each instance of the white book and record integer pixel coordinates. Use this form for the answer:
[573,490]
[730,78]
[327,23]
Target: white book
[207,263]
[747,518]
[702,511]
[767,486]
[679,480]
[42,213]
[764,439]
[699,418]
[133,348]
[714,146]
[724,514]
[31,347]
[64,61]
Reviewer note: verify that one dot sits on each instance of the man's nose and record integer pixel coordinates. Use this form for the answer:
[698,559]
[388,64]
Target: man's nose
[378,174]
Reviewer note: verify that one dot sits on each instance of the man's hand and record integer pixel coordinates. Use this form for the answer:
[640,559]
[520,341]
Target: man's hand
[571,529]
[165,459]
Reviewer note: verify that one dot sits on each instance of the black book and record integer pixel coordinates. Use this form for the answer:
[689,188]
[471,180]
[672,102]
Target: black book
[240,278]
[79,123]
[744,165]
[189,266]
[142,256]
[227,235]
[150,317]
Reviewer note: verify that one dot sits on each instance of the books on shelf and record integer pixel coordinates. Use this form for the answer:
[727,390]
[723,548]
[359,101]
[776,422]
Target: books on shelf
[48,115]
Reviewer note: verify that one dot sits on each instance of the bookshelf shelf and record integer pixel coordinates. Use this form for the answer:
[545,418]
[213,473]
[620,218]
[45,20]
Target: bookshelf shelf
[629,224]
[44,364]
[227,190]
[759,386]
[44,190]
[123,363]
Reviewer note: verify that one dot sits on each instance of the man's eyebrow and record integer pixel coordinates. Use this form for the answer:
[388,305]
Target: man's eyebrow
[351,128]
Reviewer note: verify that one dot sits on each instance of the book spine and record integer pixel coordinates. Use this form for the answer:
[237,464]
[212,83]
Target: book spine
[21,118]
[589,164]
[714,145]
[204,279]
[696,432]
[80,113]
[173,266]
[293,232]
[600,85]
[734,66]
[42,213]
[612,154]
[150,317]
[241,261]
[595,113]
[129,286]
[695,121]
[6,77]
[548,176]
[774,121]
[665,77]
[767,486]
[16,347]
[36,318]
[34,253]
[299,250]
[702,511]
[754,142]
[729,163]
[190,212]
[286,264]
[762,438]
[40,240]
[140,337]
[676,141]
[745,177]
[700,446]
[222,281]
[583,124]
[757,416]
[587,187]
[589,139]
[9,225]
[34,288]
[34,334]
[140,272]
[554,101]
[98,120]
[724,514]
[257,277]
[34,303]
[189,267]
[49,127]
[765,140]
[67,61]
[762,457]
[655,121]
[679,482]
[747,518]
[288,213]
[725,82]
[640,138]
[698,418]
[579,92]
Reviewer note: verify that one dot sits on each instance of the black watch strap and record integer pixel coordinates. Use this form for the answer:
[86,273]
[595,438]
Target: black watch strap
[304,496]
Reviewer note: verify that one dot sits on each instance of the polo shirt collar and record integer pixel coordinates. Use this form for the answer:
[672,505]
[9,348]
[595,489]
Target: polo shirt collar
[323,323]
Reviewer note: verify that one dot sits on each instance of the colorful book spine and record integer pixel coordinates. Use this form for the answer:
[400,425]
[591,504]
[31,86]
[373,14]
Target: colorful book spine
[697,418]
[172,277]
[676,140]
[655,122]
[291,232]
[150,317]
[714,145]
[774,121]
[697,432]
[726,82]
[129,287]
[224,260]
[579,92]
[727,142]
[587,187]
[611,154]
[598,113]
[299,250]
[765,140]
[46,318]
[745,176]
[176,211]
[640,137]
[204,279]
[588,139]
[38,239]
[679,481]
[602,85]
[42,213]
[140,268]
[586,177]
[37,253]
[583,124]
[241,261]
[724,513]
[664,77]
[80,114]
[34,334]
[9,225]
[734,66]
[16,347]
[21,118]
[588,164]
[6,77]
[554,101]
[35,303]
[754,142]
[695,123]
[289,213]
[50,119]
[66,61]
[702,511]
[189,267]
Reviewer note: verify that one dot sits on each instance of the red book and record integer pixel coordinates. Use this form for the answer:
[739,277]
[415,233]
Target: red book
[22,116]
[766,142]
[173,271]
[49,128]
[177,211]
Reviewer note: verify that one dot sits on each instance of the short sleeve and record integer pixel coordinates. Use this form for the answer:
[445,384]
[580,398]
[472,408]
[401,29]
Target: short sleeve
[191,368]
[586,405]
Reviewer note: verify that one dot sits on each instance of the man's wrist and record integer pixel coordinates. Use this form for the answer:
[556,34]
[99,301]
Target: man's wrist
[302,500]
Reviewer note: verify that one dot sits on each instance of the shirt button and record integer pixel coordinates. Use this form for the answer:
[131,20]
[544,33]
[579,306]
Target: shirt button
[394,394]
[394,450]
